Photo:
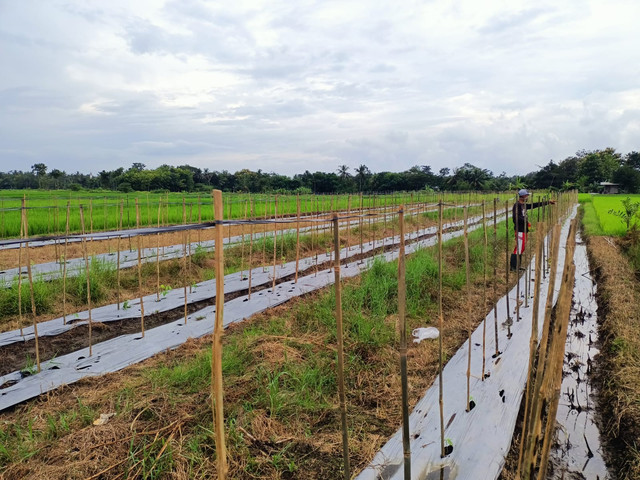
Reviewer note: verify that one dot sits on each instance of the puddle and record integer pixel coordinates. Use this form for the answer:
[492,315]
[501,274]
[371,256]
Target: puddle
[577,452]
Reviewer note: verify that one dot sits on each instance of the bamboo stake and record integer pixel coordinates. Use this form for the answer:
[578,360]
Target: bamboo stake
[139,246]
[158,251]
[264,238]
[184,259]
[216,357]
[298,236]
[246,209]
[25,220]
[86,269]
[348,227]
[282,233]
[339,334]
[484,287]
[200,219]
[543,356]
[229,217]
[495,274]
[64,270]
[20,269]
[564,309]
[402,300]
[518,254]
[509,320]
[360,226]
[533,341]
[469,321]
[250,247]
[189,246]
[275,241]
[91,221]
[441,327]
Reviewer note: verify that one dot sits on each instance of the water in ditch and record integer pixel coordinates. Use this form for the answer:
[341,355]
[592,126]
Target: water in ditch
[577,452]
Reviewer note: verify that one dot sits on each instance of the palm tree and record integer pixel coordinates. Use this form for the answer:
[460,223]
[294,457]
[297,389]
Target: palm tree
[343,171]
[362,172]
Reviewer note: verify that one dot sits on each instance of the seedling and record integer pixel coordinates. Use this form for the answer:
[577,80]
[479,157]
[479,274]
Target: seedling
[164,289]
[126,305]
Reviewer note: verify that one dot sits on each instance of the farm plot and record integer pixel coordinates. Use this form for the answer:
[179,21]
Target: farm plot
[267,428]
[602,213]
[49,212]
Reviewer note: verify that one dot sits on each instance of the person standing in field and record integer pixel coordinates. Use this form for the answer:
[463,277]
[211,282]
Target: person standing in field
[522,225]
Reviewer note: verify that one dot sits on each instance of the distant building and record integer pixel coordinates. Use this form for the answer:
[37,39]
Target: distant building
[608,187]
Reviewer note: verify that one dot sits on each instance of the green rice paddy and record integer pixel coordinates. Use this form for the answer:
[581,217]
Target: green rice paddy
[598,220]
[108,210]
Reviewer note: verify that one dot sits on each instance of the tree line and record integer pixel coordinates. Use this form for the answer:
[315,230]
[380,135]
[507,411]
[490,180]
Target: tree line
[585,171]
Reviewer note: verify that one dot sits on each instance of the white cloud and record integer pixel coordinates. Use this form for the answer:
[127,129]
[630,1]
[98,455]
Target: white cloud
[291,86]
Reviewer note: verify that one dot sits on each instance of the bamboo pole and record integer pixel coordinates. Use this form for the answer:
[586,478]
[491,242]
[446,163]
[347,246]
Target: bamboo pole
[200,219]
[543,356]
[250,246]
[552,371]
[282,233]
[118,264]
[339,334]
[87,272]
[64,270]
[275,241]
[564,309]
[25,228]
[441,327]
[139,246]
[298,236]
[533,341]
[348,228]
[484,287]
[264,238]
[360,221]
[158,251]
[229,217]
[402,319]
[20,268]
[495,275]
[516,226]
[246,209]
[469,321]
[509,320]
[184,259]
[216,357]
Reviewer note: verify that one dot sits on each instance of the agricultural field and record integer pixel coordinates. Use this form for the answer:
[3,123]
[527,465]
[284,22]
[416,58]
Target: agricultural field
[597,217]
[282,389]
[47,211]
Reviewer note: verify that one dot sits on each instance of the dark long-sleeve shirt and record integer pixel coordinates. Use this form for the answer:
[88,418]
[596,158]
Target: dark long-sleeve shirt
[519,212]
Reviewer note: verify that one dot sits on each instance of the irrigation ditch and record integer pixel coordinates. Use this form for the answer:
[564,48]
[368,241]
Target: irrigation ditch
[485,415]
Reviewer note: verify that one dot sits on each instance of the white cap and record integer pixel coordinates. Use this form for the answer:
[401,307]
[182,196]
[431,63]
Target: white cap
[523,192]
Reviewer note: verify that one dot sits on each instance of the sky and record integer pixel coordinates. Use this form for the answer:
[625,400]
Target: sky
[295,85]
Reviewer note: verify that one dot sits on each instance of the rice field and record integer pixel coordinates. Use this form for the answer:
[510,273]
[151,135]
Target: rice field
[598,220]
[108,210]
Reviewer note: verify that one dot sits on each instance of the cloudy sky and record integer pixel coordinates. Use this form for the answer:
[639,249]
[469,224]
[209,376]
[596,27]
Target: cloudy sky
[294,85]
